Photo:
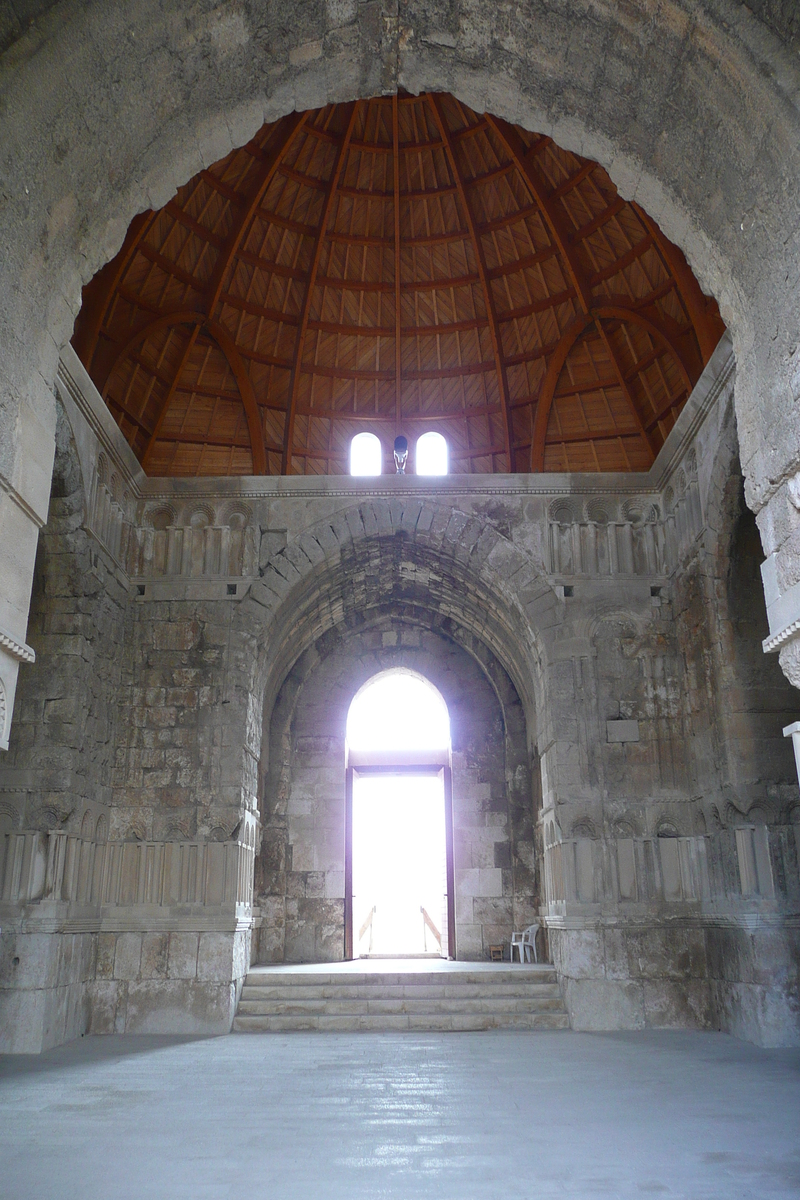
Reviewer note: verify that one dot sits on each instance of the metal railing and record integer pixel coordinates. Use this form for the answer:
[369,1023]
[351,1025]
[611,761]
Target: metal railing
[368,925]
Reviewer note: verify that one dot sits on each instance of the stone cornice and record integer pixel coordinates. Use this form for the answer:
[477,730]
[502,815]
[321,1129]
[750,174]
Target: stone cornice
[780,638]
[16,649]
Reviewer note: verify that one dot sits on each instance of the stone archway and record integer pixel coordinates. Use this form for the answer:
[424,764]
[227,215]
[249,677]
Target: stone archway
[422,558]
[300,874]
[179,88]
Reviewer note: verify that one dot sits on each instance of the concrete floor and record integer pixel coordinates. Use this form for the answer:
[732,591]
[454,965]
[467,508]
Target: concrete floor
[495,1116]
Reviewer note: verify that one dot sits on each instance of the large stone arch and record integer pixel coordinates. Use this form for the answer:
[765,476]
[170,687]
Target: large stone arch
[388,564]
[423,559]
[640,95]
[299,870]
[692,113]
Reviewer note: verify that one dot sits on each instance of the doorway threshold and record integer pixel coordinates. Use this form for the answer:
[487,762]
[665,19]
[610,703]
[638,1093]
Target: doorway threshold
[361,957]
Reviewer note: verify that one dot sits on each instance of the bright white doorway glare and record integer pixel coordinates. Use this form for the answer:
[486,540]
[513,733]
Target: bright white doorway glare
[398,736]
[399,865]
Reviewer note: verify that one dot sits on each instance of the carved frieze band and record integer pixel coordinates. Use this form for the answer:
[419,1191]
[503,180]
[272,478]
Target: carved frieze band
[16,649]
[778,639]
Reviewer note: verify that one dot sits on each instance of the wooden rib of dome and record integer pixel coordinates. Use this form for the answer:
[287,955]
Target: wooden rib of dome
[397,265]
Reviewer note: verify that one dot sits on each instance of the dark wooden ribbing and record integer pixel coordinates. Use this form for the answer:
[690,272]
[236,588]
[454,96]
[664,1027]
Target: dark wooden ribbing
[480,258]
[330,195]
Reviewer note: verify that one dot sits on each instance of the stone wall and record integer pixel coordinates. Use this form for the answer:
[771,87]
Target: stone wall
[117,829]
[611,625]
[57,774]
[671,827]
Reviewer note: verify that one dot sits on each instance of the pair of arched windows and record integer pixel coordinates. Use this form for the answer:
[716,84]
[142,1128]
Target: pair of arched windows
[430,455]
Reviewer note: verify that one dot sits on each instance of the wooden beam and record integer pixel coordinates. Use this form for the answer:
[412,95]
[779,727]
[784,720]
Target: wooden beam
[406,331]
[489,176]
[665,408]
[168,398]
[623,382]
[257,310]
[212,439]
[86,343]
[599,221]
[638,318]
[552,216]
[480,368]
[397,296]
[171,268]
[224,189]
[231,353]
[309,181]
[620,264]
[480,258]
[287,132]
[602,435]
[184,316]
[208,235]
[522,264]
[707,327]
[254,423]
[565,239]
[330,195]
[554,368]
[335,414]
[573,181]
[537,306]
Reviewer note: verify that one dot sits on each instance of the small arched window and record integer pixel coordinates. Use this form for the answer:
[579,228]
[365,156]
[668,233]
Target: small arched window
[431,455]
[366,455]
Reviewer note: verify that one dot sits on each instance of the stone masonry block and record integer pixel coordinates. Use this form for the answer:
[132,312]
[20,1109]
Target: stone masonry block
[155,952]
[215,957]
[128,956]
[183,955]
[106,946]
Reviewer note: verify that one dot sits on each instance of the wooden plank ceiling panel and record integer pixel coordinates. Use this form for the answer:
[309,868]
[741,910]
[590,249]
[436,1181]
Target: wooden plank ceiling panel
[400,264]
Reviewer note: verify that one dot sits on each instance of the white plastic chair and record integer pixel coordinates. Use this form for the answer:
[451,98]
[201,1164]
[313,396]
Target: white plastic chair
[525,944]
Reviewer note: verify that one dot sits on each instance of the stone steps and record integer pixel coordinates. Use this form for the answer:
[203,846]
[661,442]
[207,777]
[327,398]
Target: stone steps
[448,999]
[399,992]
[362,1006]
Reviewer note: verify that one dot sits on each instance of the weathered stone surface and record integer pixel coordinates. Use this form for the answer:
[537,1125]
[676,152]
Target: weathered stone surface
[640,89]
[601,1004]
[156,723]
[303,791]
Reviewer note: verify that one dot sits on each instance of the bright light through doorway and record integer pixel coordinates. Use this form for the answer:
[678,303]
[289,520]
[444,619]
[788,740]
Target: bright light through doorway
[398,711]
[399,865]
[398,827]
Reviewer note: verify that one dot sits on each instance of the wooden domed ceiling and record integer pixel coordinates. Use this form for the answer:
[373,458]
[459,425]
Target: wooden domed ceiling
[396,265]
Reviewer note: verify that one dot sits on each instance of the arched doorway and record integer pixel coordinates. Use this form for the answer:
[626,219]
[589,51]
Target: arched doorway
[399,867]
